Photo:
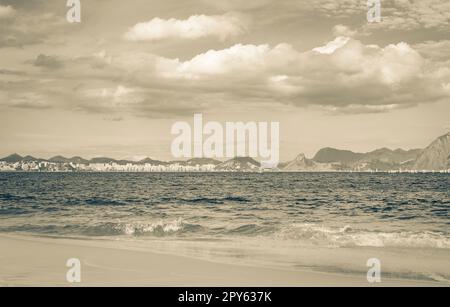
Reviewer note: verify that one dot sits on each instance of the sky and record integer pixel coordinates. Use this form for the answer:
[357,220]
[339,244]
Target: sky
[114,84]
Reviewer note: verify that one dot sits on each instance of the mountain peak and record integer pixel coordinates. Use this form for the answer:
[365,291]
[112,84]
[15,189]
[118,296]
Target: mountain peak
[445,136]
[242,164]
[331,155]
[301,157]
[301,163]
[436,156]
[13,158]
[58,159]
[203,161]
[29,158]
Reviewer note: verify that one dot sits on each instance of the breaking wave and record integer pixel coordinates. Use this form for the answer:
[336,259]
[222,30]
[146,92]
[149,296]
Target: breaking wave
[159,227]
[348,237]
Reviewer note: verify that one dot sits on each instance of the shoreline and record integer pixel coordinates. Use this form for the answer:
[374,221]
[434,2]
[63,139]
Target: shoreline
[393,172]
[37,261]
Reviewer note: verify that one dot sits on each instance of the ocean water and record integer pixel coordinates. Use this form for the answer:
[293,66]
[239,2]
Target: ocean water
[330,222]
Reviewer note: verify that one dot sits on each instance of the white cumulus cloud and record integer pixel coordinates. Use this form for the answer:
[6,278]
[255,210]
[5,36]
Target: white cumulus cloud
[331,47]
[344,76]
[196,26]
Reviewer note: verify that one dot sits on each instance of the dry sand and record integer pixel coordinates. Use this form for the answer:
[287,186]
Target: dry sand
[30,261]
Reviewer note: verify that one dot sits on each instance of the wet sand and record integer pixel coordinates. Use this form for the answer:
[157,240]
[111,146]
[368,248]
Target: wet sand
[32,261]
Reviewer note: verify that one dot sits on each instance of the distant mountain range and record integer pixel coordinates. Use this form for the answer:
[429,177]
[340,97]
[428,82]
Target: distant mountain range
[328,155]
[15,158]
[435,157]
[301,163]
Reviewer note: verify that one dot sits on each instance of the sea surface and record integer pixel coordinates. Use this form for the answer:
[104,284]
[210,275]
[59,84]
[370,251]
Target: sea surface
[328,222]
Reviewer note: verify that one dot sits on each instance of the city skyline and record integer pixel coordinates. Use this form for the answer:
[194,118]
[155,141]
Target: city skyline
[433,158]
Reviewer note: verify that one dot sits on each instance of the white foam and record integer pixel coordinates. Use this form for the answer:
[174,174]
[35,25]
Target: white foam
[347,237]
[142,228]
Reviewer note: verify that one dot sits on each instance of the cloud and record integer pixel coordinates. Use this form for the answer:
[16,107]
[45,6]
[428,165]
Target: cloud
[6,11]
[29,26]
[438,50]
[342,76]
[332,46]
[140,102]
[414,14]
[29,100]
[362,109]
[112,97]
[7,72]
[333,8]
[197,26]
[241,58]
[46,61]
[232,5]
[396,14]
[342,30]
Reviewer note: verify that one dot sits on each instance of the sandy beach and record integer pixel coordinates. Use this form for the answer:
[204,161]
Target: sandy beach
[30,261]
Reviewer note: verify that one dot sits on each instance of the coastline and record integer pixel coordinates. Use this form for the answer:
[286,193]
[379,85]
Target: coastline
[413,172]
[37,261]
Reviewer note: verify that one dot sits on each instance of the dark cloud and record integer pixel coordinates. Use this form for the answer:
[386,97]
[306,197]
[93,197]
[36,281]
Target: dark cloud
[14,38]
[343,76]
[12,72]
[26,4]
[47,61]
[34,22]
